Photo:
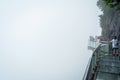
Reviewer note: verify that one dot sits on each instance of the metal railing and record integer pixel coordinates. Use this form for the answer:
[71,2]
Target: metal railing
[101,50]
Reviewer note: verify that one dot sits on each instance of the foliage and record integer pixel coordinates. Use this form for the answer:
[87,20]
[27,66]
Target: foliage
[112,3]
[109,20]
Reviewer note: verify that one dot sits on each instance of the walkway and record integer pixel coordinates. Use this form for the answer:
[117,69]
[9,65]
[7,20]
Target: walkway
[108,68]
[103,65]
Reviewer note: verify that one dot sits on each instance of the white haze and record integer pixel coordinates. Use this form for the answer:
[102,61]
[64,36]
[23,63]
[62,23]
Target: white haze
[46,39]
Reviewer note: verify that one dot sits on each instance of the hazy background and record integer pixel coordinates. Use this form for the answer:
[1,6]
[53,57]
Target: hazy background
[46,39]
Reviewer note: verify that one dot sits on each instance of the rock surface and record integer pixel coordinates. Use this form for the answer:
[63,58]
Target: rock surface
[109,21]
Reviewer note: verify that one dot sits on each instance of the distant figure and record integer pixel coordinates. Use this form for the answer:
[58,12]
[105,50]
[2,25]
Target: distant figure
[115,45]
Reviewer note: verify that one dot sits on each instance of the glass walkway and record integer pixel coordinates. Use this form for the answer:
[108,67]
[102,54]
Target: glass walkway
[103,65]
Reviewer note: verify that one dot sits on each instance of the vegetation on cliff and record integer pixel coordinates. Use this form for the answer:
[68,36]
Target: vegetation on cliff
[109,20]
[112,3]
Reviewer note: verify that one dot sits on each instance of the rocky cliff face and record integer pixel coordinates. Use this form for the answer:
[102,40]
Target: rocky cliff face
[109,21]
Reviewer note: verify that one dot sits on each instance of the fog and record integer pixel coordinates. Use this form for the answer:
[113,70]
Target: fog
[46,39]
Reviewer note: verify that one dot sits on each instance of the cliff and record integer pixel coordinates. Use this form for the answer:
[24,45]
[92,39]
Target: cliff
[109,21]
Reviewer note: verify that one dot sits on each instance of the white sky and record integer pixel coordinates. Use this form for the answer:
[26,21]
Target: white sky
[46,39]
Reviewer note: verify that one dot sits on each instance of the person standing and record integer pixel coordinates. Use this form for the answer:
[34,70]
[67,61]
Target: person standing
[115,45]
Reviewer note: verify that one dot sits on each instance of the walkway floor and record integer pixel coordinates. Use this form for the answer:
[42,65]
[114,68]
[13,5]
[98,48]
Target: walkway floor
[108,68]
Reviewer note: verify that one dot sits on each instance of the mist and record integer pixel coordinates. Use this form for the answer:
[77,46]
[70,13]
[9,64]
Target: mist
[46,40]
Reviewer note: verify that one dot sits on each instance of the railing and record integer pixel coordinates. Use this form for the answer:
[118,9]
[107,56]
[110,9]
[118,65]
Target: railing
[93,44]
[86,71]
[101,50]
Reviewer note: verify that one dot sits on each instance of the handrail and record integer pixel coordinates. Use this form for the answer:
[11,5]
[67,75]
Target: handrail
[86,70]
[89,63]
[90,70]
